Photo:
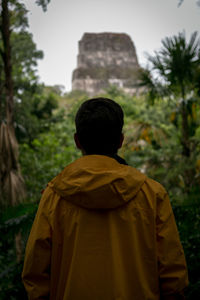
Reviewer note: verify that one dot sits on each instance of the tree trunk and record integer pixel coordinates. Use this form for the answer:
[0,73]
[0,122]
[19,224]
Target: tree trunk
[11,180]
[185,130]
[188,172]
[185,126]
[12,185]
[5,28]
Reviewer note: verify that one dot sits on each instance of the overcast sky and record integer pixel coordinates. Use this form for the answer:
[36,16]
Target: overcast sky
[57,31]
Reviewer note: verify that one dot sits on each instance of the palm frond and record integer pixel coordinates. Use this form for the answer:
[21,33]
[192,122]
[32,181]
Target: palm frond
[176,60]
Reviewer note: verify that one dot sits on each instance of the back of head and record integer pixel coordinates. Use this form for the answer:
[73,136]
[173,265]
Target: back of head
[99,124]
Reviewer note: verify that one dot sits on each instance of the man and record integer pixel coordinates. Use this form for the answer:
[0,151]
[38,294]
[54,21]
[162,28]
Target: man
[103,230]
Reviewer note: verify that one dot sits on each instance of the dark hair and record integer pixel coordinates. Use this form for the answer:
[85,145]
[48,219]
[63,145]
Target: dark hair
[99,124]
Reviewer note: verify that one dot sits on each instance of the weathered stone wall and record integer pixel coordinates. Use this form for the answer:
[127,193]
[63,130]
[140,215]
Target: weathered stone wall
[105,59]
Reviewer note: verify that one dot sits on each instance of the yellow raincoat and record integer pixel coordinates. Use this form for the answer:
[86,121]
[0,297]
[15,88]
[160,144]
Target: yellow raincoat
[104,231]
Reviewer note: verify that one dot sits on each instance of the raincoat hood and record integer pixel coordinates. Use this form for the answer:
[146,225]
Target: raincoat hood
[86,181]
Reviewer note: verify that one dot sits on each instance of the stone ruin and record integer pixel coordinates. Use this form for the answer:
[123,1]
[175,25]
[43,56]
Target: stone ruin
[106,59]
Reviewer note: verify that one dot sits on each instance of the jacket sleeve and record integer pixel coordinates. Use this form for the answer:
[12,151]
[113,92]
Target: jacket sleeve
[36,271]
[172,267]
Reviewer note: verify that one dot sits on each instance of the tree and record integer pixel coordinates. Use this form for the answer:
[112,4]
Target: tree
[13,24]
[18,84]
[174,78]
[12,185]
[176,67]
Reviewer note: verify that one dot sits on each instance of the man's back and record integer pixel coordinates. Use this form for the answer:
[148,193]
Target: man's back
[104,231]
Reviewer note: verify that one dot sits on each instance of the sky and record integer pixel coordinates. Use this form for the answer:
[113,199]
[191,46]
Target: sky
[57,31]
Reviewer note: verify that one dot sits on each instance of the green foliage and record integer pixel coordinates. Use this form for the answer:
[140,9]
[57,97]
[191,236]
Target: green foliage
[174,76]
[24,57]
[43,3]
[33,103]
[49,153]
[188,222]
[18,15]
[12,221]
